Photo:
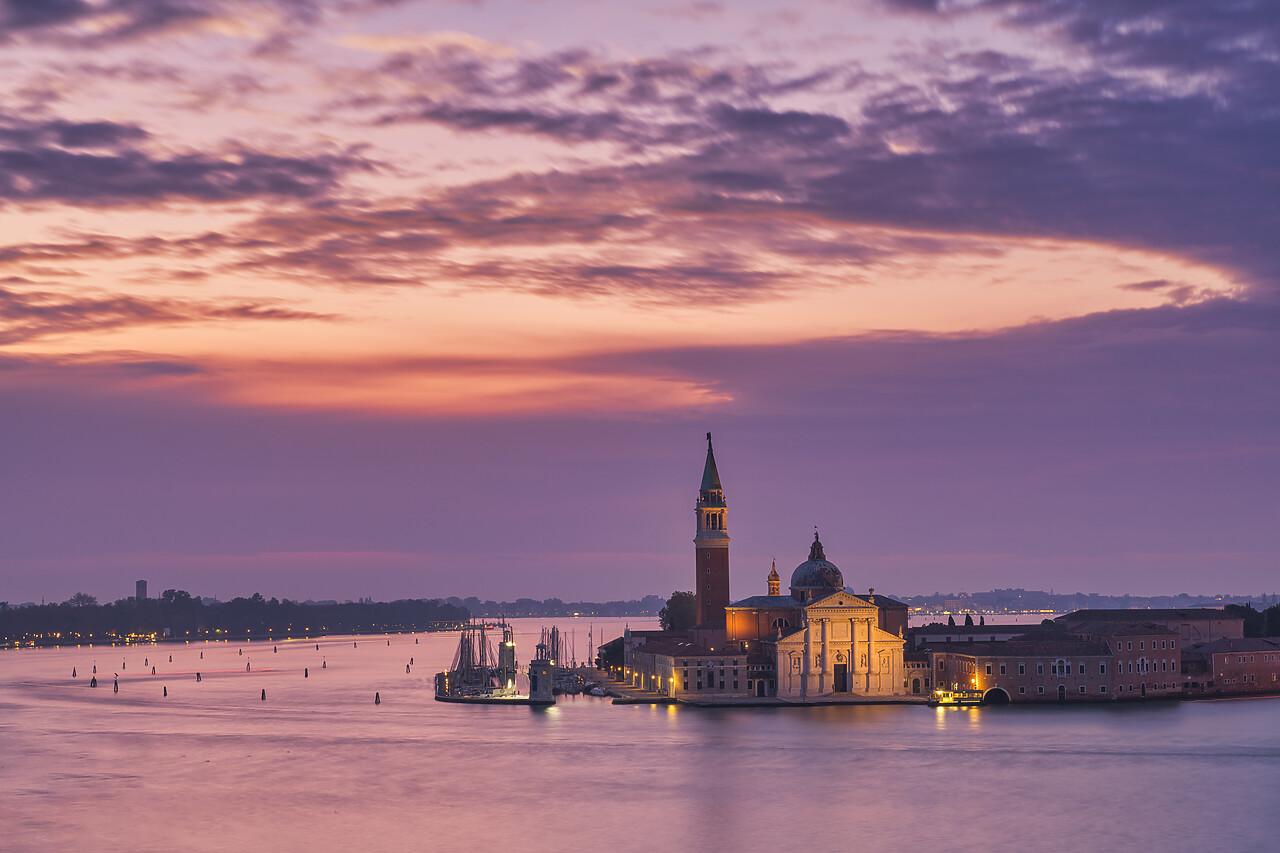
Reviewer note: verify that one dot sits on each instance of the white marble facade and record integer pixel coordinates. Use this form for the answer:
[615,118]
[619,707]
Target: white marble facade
[839,648]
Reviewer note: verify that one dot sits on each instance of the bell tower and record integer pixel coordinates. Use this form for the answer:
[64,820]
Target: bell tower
[711,571]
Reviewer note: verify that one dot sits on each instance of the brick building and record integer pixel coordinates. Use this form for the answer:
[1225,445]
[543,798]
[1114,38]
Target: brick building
[1025,670]
[1232,667]
[681,669]
[1147,656]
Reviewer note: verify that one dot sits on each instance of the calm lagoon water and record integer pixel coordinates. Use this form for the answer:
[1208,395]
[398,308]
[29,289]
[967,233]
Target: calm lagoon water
[319,767]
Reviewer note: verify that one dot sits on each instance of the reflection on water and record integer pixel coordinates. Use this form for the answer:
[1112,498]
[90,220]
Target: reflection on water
[319,767]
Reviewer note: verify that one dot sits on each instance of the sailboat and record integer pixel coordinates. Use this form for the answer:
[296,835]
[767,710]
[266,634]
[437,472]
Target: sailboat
[481,677]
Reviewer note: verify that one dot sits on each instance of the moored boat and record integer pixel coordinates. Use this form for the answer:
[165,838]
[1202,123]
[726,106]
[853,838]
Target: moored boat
[955,698]
[481,677]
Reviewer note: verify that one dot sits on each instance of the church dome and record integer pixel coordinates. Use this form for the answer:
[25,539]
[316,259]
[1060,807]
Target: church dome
[816,575]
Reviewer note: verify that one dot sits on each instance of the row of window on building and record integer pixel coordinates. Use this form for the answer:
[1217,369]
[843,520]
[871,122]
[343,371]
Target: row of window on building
[1065,668]
[1142,645]
[1102,688]
[709,680]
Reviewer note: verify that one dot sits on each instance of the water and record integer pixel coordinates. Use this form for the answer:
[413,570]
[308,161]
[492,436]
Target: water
[319,767]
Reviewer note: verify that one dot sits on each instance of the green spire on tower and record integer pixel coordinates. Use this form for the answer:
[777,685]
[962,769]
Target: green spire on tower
[710,476]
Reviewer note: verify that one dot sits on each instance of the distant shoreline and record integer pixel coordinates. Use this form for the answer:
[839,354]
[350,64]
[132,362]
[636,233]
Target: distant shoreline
[148,639]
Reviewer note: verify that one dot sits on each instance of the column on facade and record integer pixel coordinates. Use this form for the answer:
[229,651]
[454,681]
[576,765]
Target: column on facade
[856,666]
[806,660]
[873,665]
[824,682]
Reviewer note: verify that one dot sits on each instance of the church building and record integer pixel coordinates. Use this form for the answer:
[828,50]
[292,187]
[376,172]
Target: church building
[823,638]
[820,642]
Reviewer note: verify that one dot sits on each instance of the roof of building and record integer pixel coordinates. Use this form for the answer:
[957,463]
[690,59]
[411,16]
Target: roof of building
[1247,644]
[1005,628]
[1138,615]
[824,599]
[710,476]
[1122,629]
[1041,647]
[763,601]
[817,572]
[680,648]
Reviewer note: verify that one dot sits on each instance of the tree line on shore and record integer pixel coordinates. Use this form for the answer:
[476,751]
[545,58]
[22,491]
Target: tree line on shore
[647,606]
[1257,623]
[1022,600]
[180,615]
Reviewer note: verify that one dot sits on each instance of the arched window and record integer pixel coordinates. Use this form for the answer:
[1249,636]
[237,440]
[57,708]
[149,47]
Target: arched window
[781,624]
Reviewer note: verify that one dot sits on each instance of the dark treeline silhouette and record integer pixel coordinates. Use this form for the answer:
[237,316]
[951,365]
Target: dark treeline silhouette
[1021,600]
[647,606]
[1257,623]
[178,615]
[680,613]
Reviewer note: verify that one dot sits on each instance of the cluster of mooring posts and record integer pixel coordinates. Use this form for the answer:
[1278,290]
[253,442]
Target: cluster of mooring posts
[199,674]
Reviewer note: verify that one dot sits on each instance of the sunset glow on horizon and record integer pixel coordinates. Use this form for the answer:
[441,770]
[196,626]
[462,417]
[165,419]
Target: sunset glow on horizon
[964,257]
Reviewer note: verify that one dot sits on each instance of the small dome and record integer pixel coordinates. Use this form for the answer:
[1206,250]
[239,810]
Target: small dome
[815,575]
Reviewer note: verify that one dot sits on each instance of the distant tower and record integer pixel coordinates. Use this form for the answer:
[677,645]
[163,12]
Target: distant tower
[141,590]
[711,572]
[775,581]
[542,676]
[507,659]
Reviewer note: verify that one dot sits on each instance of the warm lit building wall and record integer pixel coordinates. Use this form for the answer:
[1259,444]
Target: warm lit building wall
[709,676]
[686,671]
[757,623]
[917,679]
[724,676]
[1072,672]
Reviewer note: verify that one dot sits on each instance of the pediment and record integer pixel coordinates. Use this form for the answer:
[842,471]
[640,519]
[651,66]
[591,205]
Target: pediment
[842,601]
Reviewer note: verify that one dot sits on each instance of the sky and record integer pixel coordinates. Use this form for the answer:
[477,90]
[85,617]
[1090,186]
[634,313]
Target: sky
[341,298]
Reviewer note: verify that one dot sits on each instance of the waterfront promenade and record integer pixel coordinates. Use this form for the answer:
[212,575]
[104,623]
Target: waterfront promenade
[625,694]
